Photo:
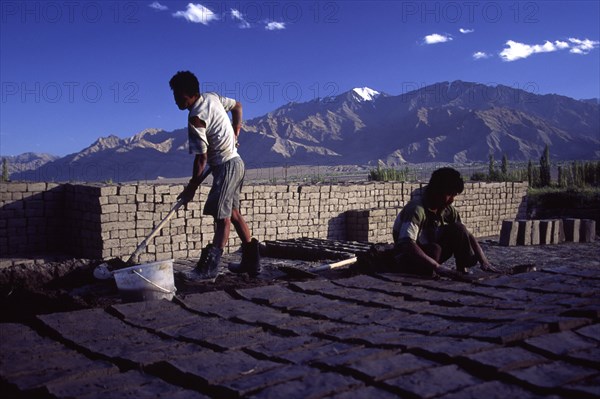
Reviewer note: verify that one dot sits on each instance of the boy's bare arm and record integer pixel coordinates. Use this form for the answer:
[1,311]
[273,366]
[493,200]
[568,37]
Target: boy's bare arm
[236,118]
[483,260]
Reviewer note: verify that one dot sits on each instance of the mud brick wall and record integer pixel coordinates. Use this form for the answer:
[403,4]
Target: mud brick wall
[106,221]
[31,218]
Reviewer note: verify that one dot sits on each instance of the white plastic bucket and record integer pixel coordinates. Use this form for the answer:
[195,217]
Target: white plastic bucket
[146,282]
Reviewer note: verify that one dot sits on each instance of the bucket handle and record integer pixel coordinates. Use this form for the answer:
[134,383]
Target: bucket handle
[166,291]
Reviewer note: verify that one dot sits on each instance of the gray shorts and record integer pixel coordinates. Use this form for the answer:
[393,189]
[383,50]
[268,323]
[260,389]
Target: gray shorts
[224,195]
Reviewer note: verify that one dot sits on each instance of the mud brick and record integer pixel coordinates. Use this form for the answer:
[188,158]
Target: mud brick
[535,232]
[267,295]
[210,328]
[587,230]
[508,333]
[546,232]
[509,232]
[155,315]
[591,311]
[356,354]
[29,361]
[17,187]
[207,302]
[589,386]
[420,323]
[444,348]
[299,325]
[559,323]
[503,359]
[467,329]
[494,390]
[592,331]
[113,338]
[524,234]
[279,346]
[365,392]
[209,368]
[244,311]
[235,341]
[112,208]
[390,366]
[432,382]
[132,384]
[571,228]
[373,315]
[552,375]
[560,343]
[248,384]
[312,386]
[320,350]
[588,357]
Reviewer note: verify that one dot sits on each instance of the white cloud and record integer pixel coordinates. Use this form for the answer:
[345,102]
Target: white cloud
[480,55]
[157,6]
[436,38]
[236,14]
[462,30]
[516,50]
[197,13]
[275,25]
[582,46]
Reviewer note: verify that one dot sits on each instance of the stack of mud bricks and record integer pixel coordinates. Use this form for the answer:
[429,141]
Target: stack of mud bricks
[483,206]
[107,221]
[129,213]
[371,225]
[551,231]
[31,218]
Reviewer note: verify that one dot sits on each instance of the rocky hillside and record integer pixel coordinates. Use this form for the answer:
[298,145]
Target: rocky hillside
[445,122]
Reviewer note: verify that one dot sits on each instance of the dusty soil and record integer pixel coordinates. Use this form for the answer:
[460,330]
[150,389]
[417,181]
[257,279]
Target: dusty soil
[68,284]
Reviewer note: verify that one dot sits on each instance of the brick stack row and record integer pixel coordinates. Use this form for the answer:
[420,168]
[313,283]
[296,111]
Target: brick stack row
[107,221]
[31,218]
[548,231]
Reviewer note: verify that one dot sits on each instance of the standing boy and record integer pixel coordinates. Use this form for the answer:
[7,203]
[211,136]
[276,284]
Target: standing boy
[213,140]
[428,230]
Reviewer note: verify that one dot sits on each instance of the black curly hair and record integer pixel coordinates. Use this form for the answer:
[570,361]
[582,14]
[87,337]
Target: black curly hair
[185,81]
[446,181]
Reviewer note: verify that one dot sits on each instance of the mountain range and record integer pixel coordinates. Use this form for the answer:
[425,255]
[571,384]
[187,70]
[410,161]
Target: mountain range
[445,122]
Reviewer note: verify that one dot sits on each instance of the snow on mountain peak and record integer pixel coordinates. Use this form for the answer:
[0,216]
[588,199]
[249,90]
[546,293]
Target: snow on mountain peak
[365,94]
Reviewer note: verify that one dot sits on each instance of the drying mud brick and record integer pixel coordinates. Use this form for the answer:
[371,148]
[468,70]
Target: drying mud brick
[531,335]
[546,232]
[587,231]
[433,382]
[571,228]
[524,234]
[535,232]
[509,232]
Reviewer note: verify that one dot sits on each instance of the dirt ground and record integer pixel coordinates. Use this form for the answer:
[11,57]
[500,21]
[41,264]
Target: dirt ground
[68,284]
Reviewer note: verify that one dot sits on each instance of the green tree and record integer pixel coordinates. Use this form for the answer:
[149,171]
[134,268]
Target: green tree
[504,165]
[492,168]
[545,168]
[5,174]
[530,173]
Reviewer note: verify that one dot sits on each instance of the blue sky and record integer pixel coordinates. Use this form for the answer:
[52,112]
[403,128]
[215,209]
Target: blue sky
[71,72]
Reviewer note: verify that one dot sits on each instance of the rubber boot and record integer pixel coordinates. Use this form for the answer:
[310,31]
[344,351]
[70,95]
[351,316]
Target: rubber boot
[250,259]
[208,265]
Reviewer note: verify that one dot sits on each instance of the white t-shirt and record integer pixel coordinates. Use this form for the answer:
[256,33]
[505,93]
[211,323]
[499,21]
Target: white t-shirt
[217,138]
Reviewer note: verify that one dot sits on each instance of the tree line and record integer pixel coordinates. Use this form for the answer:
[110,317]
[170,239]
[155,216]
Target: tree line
[575,174]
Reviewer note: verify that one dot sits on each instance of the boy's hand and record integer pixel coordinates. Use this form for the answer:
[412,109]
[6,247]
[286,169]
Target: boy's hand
[487,267]
[187,194]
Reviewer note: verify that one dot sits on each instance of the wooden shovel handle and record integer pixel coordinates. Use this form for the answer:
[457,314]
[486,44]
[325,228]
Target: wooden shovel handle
[329,266]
